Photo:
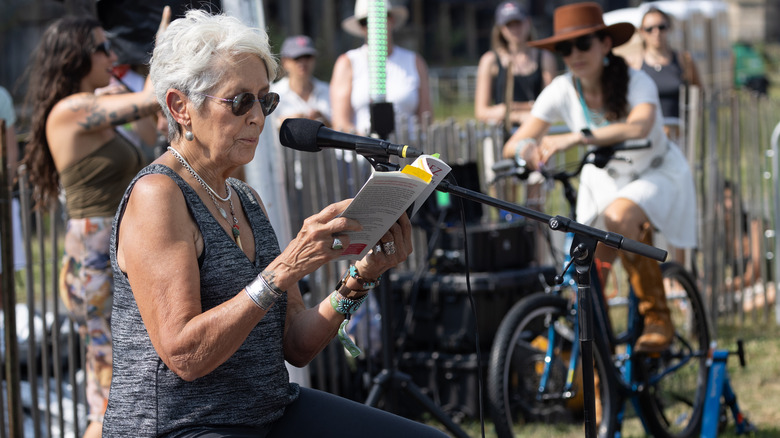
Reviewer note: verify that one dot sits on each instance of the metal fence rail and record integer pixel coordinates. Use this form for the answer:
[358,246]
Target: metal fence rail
[727,138]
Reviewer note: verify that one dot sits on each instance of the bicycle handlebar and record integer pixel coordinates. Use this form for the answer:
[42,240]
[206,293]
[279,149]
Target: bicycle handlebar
[599,156]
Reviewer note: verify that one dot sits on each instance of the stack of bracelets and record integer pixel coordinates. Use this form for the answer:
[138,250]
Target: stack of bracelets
[344,300]
[347,301]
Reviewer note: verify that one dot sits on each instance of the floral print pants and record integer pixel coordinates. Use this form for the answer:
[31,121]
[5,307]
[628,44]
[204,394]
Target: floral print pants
[86,288]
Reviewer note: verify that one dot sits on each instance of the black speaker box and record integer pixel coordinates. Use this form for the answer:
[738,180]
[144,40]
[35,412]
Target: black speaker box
[435,314]
[491,247]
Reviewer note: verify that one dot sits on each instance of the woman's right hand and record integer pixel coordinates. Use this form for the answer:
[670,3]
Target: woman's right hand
[313,246]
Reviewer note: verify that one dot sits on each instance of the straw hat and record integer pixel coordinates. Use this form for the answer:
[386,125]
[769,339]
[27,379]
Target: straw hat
[571,21]
[399,13]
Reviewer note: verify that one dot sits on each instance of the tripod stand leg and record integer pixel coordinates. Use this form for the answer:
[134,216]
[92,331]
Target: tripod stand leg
[405,382]
[390,377]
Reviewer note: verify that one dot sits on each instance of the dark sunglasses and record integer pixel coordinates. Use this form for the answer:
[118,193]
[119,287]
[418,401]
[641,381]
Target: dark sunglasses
[660,27]
[244,102]
[104,47]
[583,44]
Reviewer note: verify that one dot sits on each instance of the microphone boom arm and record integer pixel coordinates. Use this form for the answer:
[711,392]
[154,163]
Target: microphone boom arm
[558,223]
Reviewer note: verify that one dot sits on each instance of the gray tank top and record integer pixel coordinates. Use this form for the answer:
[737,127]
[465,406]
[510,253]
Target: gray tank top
[251,388]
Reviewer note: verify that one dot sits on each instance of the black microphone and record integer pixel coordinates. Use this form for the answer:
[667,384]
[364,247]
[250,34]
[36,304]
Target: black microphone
[311,136]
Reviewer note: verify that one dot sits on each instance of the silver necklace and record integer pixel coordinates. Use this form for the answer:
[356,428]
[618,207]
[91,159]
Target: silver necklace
[213,195]
[200,180]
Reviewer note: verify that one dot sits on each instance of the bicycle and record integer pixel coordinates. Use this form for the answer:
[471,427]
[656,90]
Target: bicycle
[535,357]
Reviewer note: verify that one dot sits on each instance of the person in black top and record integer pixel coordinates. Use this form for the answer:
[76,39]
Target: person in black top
[669,69]
[511,71]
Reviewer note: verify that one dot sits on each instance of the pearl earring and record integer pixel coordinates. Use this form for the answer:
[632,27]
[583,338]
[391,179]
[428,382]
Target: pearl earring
[606,61]
[189,135]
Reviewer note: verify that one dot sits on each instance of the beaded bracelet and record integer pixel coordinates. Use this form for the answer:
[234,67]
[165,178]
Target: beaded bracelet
[346,307]
[262,293]
[364,283]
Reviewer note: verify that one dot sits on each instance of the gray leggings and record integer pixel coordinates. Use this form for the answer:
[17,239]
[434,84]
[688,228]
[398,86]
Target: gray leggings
[321,414]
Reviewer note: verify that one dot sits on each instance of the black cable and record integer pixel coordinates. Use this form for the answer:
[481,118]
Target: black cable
[414,292]
[473,306]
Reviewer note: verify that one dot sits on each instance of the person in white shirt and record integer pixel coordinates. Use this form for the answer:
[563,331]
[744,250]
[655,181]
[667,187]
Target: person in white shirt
[406,82]
[301,94]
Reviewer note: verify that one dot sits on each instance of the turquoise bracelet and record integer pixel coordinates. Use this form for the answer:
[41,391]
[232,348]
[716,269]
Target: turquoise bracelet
[364,283]
[346,307]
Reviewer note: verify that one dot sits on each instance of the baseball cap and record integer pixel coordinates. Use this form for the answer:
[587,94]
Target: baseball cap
[509,11]
[297,46]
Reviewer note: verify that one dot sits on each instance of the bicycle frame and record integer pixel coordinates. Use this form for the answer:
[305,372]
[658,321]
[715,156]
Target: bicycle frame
[628,387]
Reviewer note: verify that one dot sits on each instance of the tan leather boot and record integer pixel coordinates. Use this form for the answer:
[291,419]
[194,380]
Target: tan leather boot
[646,279]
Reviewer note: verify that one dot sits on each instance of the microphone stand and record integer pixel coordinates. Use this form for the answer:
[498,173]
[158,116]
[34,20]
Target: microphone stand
[582,252]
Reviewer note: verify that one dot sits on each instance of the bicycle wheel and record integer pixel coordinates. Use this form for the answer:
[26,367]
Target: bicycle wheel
[673,401]
[516,363]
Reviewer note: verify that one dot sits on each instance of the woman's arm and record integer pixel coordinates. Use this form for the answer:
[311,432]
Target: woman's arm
[424,107]
[308,331]
[340,95]
[483,110]
[164,275]
[524,141]
[637,125]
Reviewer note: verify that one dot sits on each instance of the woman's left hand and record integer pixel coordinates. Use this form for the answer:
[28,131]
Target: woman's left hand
[396,245]
[552,144]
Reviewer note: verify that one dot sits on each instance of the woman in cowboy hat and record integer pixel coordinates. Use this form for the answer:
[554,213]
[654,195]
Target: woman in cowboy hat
[603,102]
[407,76]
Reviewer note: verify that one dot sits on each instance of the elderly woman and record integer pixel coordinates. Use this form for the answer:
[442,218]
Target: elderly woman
[207,307]
[603,102]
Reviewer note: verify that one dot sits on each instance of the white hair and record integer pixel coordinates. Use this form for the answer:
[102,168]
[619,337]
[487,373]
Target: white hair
[186,54]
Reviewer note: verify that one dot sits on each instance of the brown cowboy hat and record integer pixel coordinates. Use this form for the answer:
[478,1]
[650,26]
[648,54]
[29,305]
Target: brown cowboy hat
[571,21]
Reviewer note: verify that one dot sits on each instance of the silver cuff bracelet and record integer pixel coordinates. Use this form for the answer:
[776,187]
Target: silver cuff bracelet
[262,293]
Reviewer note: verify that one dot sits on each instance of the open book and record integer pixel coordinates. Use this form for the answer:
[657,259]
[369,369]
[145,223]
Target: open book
[386,196]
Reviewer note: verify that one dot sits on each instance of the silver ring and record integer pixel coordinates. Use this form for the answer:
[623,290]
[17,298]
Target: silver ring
[377,249]
[337,245]
[389,247]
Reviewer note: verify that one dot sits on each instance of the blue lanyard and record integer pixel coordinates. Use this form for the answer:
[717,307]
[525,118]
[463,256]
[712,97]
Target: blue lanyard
[585,108]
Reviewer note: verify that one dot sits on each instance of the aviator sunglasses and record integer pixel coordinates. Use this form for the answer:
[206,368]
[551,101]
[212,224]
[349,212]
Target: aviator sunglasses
[582,43]
[104,47]
[242,103]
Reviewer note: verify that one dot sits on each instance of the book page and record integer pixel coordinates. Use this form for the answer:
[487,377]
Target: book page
[381,201]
